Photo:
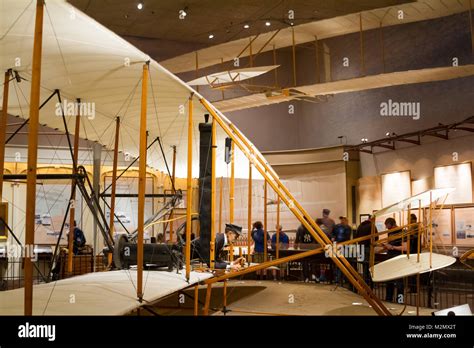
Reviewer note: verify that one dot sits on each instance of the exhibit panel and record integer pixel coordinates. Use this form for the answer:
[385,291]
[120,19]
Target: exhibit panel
[458,176]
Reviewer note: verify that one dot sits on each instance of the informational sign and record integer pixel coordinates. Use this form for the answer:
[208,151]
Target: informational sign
[458,176]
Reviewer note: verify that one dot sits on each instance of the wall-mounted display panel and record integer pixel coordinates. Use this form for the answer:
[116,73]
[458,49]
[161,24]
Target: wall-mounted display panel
[458,176]
[395,187]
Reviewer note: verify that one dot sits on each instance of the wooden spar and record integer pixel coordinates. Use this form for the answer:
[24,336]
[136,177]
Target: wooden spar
[142,183]
[277,255]
[72,210]
[189,188]
[265,221]
[249,216]
[294,55]
[173,184]
[221,186]
[196,300]
[213,196]
[3,128]
[32,156]
[232,184]
[114,185]
[208,299]
[295,207]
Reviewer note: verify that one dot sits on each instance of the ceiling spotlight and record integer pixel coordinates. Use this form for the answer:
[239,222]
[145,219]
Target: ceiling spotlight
[246,26]
[211,36]
[364,140]
[267,23]
[387,134]
[140,6]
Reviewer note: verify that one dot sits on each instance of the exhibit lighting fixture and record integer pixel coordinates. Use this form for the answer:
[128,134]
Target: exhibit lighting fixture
[140,5]
[267,23]
[246,26]
[387,134]
[211,36]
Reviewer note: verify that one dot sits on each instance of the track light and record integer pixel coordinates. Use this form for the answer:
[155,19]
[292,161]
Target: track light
[364,140]
[387,134]
[267,23]
[211,36]
[246,26]
[140,5]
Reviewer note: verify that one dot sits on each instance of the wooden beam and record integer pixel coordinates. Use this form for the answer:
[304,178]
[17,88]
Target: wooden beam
[277,255]
[114,185]
[142,183]
[196,300]
[173,184]
[295,207]
[208,299]
[232,184]
[3,128]
[72,210]
[189,188]
[221,186]
[32,156]
[213,195]
[265,221]
[249,214]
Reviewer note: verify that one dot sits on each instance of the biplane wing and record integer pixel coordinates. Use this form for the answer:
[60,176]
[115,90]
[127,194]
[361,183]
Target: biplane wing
[231,76]
[83,59]
[100,293]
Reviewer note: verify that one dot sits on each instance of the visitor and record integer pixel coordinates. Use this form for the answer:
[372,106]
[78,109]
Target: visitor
[258,236]
[284,243]
[327,223]
[394,248]
[340,233]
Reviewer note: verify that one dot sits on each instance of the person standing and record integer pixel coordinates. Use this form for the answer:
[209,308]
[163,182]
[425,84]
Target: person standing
[340,233]
[258,236]
[327,223]
[394,248]
[284,243]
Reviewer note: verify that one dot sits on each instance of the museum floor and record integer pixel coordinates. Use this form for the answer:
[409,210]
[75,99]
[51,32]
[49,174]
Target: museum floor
[253,297]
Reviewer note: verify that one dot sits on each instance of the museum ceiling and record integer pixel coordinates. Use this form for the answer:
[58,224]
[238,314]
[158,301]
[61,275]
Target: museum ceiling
[223,19]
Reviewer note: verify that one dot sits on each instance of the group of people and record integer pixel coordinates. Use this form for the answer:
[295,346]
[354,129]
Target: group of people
[337,233]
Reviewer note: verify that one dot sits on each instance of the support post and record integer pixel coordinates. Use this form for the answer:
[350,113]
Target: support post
[72,210]
[173,184]
[265,221]
[142,183]
[277,255]
[32,156]
[3,127]
[221,186]
[249,216]
[196,300]
[232,185]
[208,299]
[225,297]
[189,189]
[213,195]
[114,185]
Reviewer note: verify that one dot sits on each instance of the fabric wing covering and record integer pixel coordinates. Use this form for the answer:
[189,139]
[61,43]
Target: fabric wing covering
[85,60]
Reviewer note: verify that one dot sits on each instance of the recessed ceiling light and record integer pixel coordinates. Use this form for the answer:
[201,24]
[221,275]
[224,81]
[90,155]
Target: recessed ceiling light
[211,36]
[246,26]
[268,24]
[140,6]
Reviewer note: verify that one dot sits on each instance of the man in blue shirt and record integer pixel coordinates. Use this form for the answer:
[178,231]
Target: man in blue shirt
[283,239]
